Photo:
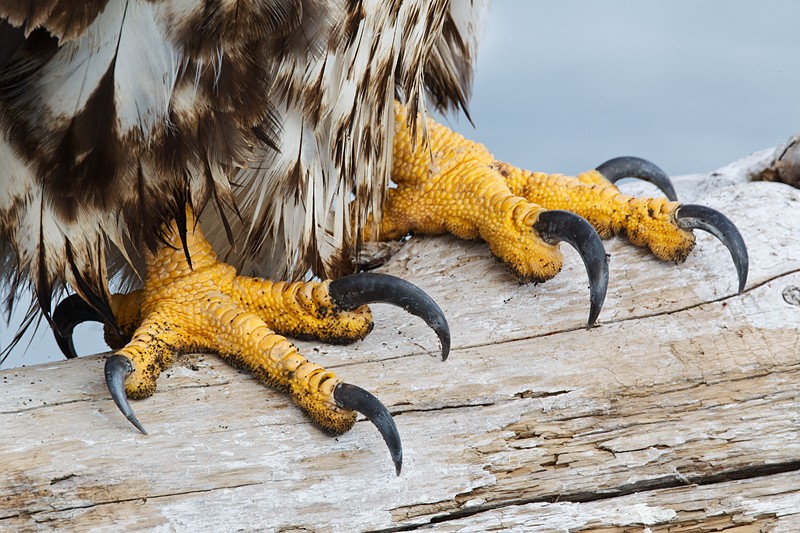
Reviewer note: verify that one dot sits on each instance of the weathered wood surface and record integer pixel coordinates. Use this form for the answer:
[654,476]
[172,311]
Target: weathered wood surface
[679,413]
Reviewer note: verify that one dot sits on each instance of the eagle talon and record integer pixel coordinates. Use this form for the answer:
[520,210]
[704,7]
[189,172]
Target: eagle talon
[635,167]
[365,288]
[691,216]
[556,226]
[69,313]
[355,398]
[117,368]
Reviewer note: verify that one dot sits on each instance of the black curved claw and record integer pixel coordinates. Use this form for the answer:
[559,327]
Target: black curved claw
[556,226]
[636,167]
[692,216]
[355,398]
[117,369]
[364,288]
[70,312]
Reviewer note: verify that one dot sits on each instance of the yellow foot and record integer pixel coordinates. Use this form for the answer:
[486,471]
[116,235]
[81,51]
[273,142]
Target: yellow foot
[446,183]
[449,185]
[661,225]
[202,305]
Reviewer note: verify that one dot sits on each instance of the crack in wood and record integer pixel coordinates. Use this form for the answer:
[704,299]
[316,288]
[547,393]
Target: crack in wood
[523,430]
[574,329]
[644,316]
[93,400]
[396,412]
[650,485]
[123,500]
[694,410]
[45,406]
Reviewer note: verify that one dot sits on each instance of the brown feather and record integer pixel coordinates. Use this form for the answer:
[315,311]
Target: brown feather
[115,114]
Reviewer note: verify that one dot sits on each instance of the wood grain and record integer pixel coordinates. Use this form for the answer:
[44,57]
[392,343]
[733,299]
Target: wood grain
[678,413]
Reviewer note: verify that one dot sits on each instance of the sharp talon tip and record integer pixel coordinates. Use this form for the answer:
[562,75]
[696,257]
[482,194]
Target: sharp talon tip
[445,342]
[690,216]
[594,312]
[117,368]
[366,288]
[556,226]
[355,398]
[66,345]
[635,167]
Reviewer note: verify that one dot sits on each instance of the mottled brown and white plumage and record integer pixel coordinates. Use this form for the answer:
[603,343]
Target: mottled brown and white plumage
[272,118]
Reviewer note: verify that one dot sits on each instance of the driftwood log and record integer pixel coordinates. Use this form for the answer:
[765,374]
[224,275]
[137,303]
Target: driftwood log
[680,412]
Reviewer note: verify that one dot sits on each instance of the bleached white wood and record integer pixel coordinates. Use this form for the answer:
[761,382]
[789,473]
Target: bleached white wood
[533,422]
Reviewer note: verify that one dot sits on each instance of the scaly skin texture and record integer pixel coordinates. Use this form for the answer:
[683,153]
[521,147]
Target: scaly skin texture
[451,184]
[448,185]
[648,222]
[208,307]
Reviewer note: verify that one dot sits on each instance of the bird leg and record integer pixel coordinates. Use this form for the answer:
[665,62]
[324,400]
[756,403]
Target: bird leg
[202,305]
[448,184]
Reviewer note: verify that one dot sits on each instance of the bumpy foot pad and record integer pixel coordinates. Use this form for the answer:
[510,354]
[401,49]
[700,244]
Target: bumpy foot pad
[204,305]
[446,183]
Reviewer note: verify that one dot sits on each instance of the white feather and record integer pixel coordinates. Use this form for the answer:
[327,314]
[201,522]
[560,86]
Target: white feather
[344,153]
[148,69]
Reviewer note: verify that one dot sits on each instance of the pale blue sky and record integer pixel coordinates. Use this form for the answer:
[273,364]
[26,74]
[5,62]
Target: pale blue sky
[563,86]
[692,85]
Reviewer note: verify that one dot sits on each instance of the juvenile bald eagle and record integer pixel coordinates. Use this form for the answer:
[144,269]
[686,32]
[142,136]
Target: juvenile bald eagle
[277,126]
